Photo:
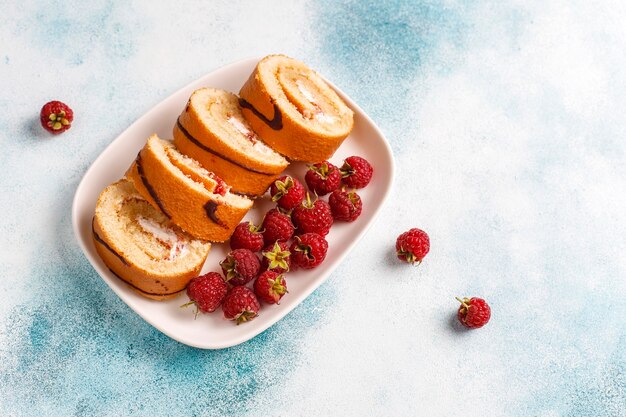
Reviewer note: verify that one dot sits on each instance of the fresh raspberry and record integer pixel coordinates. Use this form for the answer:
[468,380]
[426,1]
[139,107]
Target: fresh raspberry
[270,287]
[240,266]
[473,312]
[345,206]
[313,217]
[323,178]
[276,257]
[356,172]
[240,304]
[287,192]
[277,226]
[247,236]
[56,117]
[308,250]
[412,246]
[206,292]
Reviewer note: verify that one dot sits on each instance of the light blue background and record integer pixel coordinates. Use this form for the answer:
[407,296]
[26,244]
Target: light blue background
[508,126]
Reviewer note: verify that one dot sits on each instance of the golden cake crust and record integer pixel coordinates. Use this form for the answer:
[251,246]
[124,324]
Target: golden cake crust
[197,211]
[242,179]
[284,113]
[157,285]
[197,136]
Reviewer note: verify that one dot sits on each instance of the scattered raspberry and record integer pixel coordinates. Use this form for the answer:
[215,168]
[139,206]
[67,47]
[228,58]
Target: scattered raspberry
[345,206]
[270,287]
[473,312]
[313,217]
[247,236]
[356,172]
[276,257]
[240,266]
[206,292]
[323,178]
[240,304]
[56,117]
[412,246]
[277,226]
[308,250]
[287,192]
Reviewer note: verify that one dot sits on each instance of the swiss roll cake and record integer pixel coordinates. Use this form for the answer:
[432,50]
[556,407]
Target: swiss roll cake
[141,246]
[195,199]
[213,131]
[293,110]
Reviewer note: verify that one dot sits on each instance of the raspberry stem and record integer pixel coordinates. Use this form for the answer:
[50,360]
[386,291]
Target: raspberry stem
[283,188]
[322,170]
[245,316]
[464,302]
[190,303]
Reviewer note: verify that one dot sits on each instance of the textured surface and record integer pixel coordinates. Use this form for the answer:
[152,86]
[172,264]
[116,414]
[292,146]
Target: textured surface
[507,124]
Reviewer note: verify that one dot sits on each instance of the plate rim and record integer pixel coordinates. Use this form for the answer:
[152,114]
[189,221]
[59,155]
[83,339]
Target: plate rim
[301,296]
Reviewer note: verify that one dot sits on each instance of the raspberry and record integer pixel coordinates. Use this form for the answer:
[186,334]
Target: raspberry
[412,246]
[247,236]
[56,117]
[473,312]
[276,257]
[270,287]
[240,304]
[206,292]
[313,217]
[345,206]
[240,266]
[287,192]
[356,172]
[277,226]
[308,250]
[323,178]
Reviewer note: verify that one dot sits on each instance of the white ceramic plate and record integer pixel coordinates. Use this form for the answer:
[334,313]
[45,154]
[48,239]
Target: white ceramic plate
[212,331]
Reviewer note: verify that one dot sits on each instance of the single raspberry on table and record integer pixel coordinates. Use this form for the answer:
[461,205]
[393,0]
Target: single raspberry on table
[247,236]
[240,305]
[240,266]
[473,312]
[277,226]
[287,192]
[56,117]
[323,178]
[412,246]
[313,217]
[308,250]
[206,292]
[345,205]
[276,257]
[356,172]
[270,287]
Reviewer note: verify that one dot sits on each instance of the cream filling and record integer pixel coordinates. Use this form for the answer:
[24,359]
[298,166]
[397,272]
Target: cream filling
[257,145]
[324,118]
[166,236]
[237,124]
[319,115]
[306,93]
[198,170]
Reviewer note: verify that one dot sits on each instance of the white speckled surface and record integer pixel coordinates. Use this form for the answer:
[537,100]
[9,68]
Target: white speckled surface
[507,123]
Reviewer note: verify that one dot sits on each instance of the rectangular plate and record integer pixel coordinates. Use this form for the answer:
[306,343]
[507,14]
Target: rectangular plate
[212,331]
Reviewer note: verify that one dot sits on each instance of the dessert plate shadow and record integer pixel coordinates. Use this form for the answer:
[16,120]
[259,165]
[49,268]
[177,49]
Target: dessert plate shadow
[212,331]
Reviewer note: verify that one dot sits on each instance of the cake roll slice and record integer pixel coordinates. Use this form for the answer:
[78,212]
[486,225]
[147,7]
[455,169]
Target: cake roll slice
[194,198]
[213,131]
[141,246]
[294,110]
